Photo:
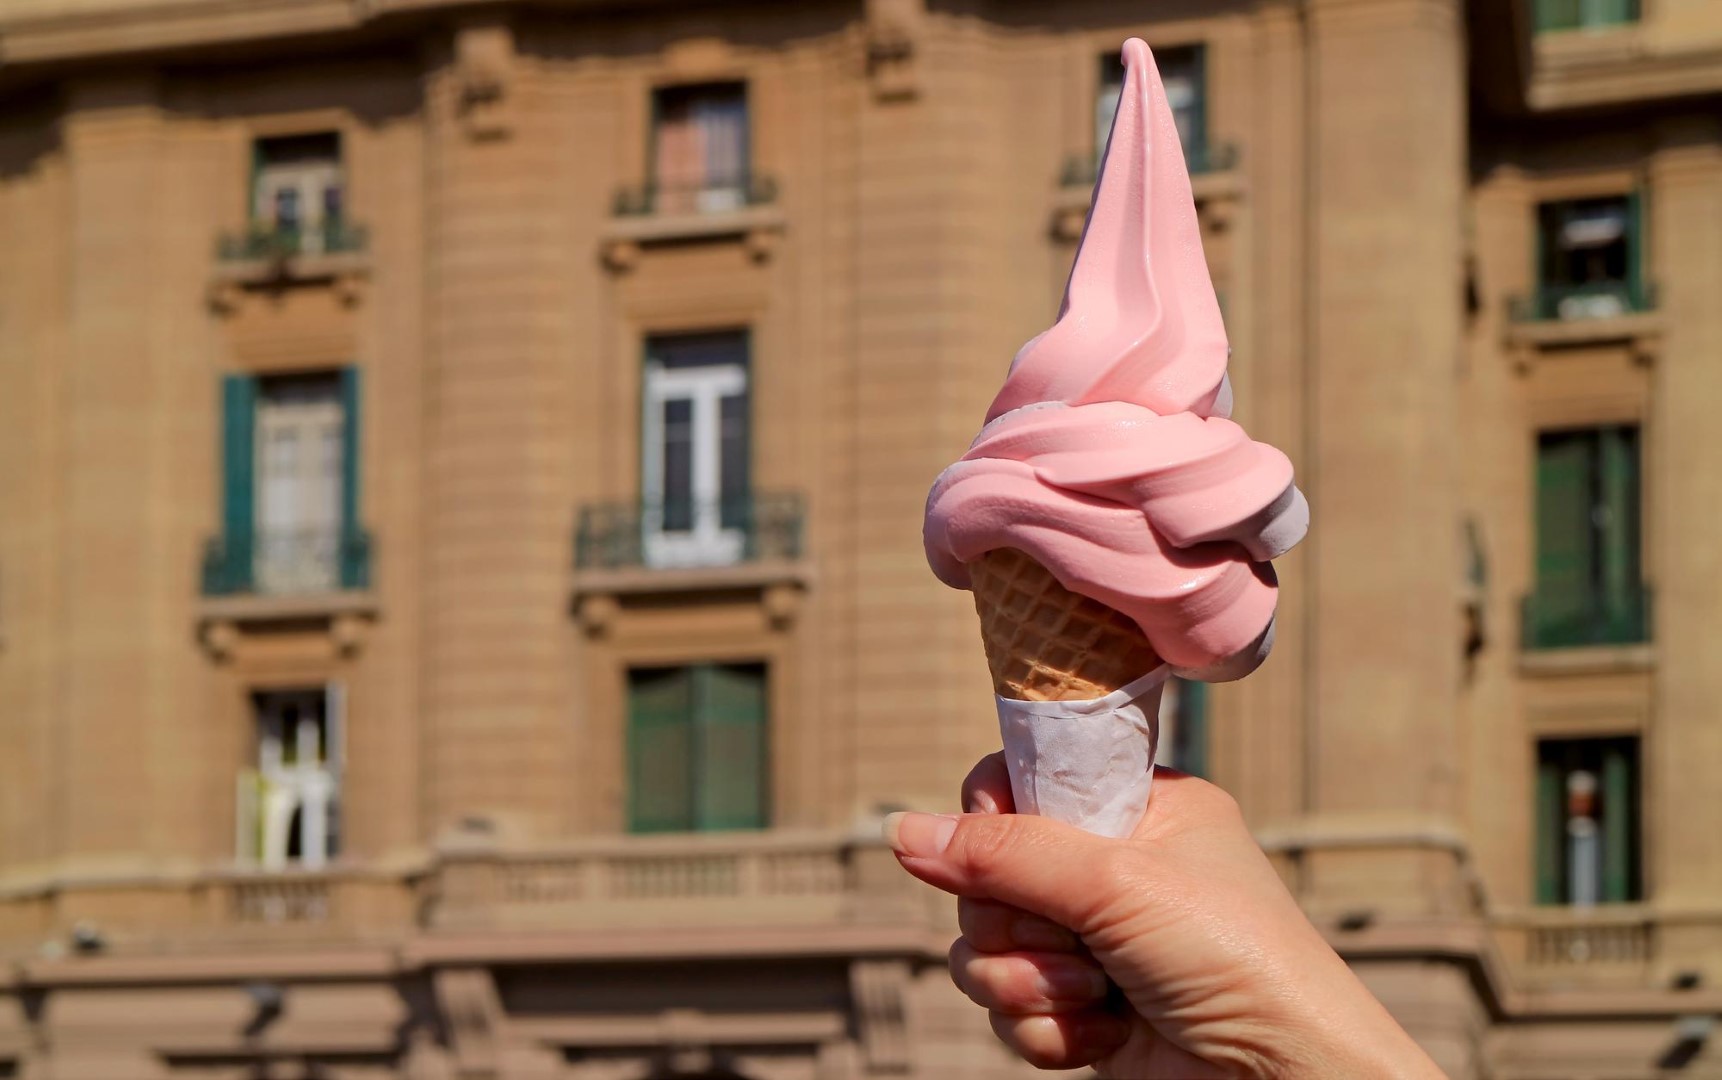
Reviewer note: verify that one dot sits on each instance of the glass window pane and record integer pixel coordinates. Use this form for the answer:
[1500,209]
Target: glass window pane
[734,465]
[678,482]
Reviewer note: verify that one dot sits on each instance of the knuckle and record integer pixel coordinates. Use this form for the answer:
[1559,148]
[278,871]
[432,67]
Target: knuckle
[984,844]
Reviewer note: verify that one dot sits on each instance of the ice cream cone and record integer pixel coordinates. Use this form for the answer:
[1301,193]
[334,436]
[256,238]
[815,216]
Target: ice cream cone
[1046,643]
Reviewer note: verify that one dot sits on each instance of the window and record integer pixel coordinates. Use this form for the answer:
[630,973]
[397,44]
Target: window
[1588,584]
[1577,14]
[289,800]
[297,191]
[1182,73]
[1590,258]
[700,148]
[290,480]
[1184,727]
[697,748]
[1588,824]
[696,453]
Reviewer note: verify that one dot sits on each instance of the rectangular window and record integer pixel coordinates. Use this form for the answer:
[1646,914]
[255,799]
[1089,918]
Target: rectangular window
[1184,727]
[289,800]
[1182,72]
[700,148]
[1588,821]
[297,191]
[1590,258]
[1581,14]
[1589,589]
[696,450]
[697,748]
[290,480]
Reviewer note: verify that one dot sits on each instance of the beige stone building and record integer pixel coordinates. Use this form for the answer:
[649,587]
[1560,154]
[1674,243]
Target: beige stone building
[461,604]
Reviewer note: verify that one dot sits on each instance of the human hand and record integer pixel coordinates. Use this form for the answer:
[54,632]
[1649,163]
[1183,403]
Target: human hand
[1175,953]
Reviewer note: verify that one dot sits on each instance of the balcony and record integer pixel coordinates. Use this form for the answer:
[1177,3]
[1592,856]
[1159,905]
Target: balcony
[1202,159]
[654,213]
[288,562]
[1560,318]
[1608,944]
[1591,300]
[264,257]
[1214,183]
[1580,621]
[269,243]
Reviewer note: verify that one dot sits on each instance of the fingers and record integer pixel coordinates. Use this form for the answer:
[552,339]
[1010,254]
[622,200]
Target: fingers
[1042,866]
[986,790]
[1062,1041]
[995,928]
[1027,983]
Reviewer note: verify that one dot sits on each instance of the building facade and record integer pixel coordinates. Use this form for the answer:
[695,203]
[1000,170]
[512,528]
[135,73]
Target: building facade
[462,612]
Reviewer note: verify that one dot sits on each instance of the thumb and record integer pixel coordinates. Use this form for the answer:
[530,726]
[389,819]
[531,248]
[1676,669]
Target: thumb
[1034,863]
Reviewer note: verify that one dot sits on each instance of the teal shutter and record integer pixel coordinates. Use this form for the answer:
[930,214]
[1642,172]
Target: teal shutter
[1551,832]
[1635,253]
[733,774]
[660,750]
[1618,533]
[1618,813]
[238,481]
[1566,539]
[355,549]
[1199,111]
[1190,752]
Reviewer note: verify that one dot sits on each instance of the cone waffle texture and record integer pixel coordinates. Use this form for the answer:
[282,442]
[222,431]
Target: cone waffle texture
[1046,643]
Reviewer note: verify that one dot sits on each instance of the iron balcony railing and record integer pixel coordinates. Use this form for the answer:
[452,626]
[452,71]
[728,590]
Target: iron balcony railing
[1590,300]
[1584,14]
[263,242]
[707,196]
[287,562]
[1081,170]
[746,529]
[1566,620]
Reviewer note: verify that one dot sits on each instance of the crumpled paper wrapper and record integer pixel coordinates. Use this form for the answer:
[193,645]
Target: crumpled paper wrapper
[1088,763]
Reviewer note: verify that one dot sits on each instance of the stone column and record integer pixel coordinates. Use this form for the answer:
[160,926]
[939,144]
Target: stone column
[1387,114]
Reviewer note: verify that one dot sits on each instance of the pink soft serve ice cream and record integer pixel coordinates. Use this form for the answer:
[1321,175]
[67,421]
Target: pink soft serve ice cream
[1108,456]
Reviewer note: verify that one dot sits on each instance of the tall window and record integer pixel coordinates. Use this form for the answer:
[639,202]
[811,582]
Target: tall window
[1184,727]
[700,148]
[1590,263]
[1589,589]
[697,748]
[290,478]
[696,453]
[1182,73]
[289,799]
[297,190]
[1588,821]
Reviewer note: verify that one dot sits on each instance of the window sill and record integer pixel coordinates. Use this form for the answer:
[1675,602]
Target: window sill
[758,227]
[1588,660]
[1640,331]
[225,621]
[781,583]
[1213,193]
[1602,65]
[343,271]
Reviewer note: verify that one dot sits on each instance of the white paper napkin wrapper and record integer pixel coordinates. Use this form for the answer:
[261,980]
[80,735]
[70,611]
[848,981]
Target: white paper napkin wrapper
[1088,763]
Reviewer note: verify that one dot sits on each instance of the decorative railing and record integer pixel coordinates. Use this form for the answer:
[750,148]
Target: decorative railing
[1574,944]
[1081,170]
[1573,620]
[1591,300]
[286,562]
[717,877]
[710,195]
[272,242]
[1583,14]
[739,530]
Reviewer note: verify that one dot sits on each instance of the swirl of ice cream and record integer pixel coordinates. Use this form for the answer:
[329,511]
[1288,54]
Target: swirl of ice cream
[1108,456]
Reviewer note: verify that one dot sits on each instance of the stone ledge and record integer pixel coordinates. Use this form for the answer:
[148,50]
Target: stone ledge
[1588,660]
[1640,332]
[758,227]
[1583,68]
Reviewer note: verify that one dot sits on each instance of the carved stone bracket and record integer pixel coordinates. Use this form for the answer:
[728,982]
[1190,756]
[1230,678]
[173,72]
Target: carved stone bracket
[880,989]
[893,33]
[484,70]
[469,999]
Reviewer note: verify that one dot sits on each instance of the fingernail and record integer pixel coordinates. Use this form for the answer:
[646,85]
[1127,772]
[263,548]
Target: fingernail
[982,803]
[919,835]
[1035,933]
[1072,984]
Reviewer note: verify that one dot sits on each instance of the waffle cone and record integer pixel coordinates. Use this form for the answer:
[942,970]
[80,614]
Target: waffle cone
[1046,643]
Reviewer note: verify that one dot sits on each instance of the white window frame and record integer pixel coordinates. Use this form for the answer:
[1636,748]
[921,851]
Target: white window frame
[707,543]
[310,785]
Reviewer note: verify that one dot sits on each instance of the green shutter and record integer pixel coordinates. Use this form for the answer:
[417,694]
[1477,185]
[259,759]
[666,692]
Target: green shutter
[1618,814]
[238,479]
[1566,537]
[1618,531]
[660,750]
[1192,734]
[1635,251]
[1551,832]
[733,778]
[1199,120]
[355,552]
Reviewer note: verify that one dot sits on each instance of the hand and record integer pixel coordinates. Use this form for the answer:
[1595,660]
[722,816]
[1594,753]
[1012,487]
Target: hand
[1175,953]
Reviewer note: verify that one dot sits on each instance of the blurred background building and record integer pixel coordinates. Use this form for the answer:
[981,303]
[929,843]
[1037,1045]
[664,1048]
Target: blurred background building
[462,611]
